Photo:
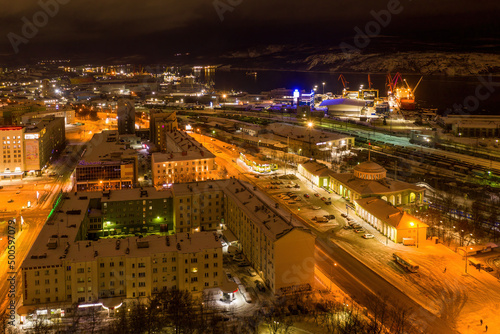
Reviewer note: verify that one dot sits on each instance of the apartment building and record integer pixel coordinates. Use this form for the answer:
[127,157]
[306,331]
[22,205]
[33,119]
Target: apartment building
[107,163]
[198,206]
[185,160]
[42,139]
[63,267]
[161,123]
[272,241]
[56,111]
[12,152]
[130,211]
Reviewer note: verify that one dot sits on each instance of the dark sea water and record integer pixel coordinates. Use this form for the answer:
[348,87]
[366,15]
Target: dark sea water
[440,92]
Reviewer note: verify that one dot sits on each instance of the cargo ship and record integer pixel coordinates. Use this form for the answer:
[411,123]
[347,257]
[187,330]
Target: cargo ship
[402,97]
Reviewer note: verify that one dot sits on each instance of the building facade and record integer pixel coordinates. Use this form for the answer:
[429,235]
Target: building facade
[317,173]
[272,242]
[161,123]
[393,222]
[107,163]
[12,152]
[43,138]
[369,179]
[184,160]
[126,117]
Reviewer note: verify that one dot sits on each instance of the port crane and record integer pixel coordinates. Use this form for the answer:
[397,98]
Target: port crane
[392,81]
[344,81]
[412,91]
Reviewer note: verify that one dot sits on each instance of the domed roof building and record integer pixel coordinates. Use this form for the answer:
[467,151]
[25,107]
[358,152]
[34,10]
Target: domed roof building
[370,170]
[369,179]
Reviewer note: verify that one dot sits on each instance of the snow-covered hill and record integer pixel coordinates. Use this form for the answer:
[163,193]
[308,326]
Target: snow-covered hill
[384,59]
[459,64]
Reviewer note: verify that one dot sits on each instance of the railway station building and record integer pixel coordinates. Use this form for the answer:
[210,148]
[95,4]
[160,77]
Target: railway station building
[369,180]
[391,221]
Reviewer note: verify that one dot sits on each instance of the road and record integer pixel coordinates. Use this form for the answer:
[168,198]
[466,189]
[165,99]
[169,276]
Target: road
[363,285]
[34,218]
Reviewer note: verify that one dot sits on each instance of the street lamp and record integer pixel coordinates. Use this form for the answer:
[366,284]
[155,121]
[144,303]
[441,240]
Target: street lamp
[323,83]
[310,125]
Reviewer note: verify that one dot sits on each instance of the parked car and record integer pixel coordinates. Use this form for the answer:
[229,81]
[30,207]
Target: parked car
[359,231]
[323,199]
[306,195]
[368,236]
[344,215]
[347,227]
[314,207]
[316,194]
[329,217]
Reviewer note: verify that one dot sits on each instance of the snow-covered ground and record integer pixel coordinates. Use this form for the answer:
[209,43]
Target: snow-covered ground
[458,298]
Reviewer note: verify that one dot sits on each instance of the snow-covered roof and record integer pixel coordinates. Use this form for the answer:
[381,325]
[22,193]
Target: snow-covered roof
[368,187]
[343,101]
[389,214]
[316,168]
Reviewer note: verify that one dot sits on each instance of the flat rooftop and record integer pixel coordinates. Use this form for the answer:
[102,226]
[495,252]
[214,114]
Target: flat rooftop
[106,147]
[302,133]
[260,208]
[181,147]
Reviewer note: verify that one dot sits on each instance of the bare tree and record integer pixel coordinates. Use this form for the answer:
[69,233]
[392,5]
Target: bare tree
[400,319]
[41,325]
[91,319]
[379,314]
[276,319]
[120,324]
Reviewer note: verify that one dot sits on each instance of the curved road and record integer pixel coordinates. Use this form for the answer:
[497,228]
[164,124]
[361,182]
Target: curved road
[364,285]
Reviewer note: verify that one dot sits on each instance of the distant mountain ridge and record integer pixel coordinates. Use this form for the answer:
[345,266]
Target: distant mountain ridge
[334,60]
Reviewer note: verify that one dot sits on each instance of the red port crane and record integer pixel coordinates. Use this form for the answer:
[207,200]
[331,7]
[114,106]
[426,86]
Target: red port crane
[392,81]
[344,81]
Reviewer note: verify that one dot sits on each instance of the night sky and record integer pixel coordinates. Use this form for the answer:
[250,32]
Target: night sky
[161,28]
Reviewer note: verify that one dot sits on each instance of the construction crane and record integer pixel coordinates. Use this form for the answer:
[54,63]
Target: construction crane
[369,82]
[344,81]
[412,91]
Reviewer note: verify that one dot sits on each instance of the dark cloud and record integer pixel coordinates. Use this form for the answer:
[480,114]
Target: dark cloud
[129,27]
